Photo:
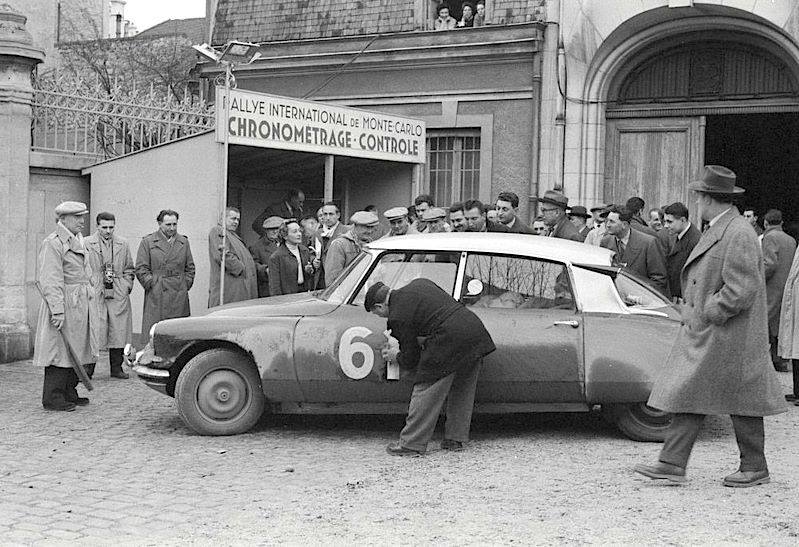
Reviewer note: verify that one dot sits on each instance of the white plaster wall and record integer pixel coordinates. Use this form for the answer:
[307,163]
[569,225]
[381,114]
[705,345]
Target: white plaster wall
[184,176]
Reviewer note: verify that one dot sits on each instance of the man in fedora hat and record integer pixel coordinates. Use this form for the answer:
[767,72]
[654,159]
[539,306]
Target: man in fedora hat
[553,207]
[69,314]
[719,363]
[579,217]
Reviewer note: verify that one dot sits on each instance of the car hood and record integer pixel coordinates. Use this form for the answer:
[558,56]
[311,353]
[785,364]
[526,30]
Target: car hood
[301,304]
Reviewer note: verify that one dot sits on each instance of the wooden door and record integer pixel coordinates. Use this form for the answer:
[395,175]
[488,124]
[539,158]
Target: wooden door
[654,158]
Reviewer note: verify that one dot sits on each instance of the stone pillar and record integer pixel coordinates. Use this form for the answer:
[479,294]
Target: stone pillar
[18,57]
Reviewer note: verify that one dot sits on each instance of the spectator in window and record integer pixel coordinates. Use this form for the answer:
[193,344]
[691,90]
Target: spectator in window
[291,267]
[480,16]
[507,207]
[444,20]
[456,217]
[467,15]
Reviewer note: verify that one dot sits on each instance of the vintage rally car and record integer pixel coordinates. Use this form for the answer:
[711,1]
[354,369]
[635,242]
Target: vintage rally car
[571,332]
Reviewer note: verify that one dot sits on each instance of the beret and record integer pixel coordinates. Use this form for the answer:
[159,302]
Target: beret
[364,218]
[434,213]
[396,212]
[273,222]
[72,208]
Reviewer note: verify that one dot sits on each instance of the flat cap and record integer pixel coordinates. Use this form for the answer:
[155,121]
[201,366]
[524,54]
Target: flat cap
[396,212]
[364,218]
[71,208]
[434,213]
[273,222]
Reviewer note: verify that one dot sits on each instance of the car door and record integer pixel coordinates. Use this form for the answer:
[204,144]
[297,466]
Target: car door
[529,309]
[337,356]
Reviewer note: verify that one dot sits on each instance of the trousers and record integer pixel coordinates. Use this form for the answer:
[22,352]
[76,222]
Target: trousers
[427,400]
[58,386]
[684,429]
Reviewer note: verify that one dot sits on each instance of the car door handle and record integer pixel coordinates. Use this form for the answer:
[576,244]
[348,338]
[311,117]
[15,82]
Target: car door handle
[572,324]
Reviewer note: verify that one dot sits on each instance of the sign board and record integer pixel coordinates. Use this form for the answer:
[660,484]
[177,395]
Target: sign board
[270,121]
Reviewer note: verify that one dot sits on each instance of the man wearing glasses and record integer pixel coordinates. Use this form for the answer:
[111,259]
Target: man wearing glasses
[553,208]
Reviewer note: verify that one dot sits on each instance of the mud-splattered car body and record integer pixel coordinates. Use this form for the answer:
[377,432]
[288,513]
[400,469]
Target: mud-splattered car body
[571,332]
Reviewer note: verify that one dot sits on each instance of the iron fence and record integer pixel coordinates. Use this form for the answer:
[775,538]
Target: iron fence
[91,120]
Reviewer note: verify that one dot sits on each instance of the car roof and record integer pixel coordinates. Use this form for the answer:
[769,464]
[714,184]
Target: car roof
[547,248]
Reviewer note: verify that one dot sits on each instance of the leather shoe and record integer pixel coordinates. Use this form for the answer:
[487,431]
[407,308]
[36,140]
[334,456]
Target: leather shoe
[662,471]
[395,449]
[449,444]
[781,366]
[63,406]
[80,401]
[120,374]
[745,479]
[790,397]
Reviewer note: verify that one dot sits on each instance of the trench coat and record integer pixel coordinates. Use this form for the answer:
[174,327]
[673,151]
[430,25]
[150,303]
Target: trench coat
[283,271]
[720,361]
[241,278]
[167,273]
[788,337]
[64,276]
[116,321]
[778,250]
[261,250]
[437,335]
[340,253]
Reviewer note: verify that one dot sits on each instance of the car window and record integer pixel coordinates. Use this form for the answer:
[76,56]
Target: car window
[338,292]
[496,281]
[397,269]
[637,295]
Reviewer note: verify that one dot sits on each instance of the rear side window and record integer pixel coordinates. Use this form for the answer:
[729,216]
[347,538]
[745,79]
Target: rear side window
[497,281]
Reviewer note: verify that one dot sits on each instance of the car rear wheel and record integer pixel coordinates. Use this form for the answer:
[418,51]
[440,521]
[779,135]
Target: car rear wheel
[639,421]
[219,392]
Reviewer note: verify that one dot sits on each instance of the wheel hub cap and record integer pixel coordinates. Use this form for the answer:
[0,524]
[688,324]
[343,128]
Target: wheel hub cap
[222,395]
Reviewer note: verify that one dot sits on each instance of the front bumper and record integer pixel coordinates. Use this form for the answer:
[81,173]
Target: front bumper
[155,378]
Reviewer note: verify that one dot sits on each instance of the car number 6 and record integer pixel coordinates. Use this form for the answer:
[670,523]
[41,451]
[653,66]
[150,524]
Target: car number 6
[347,348]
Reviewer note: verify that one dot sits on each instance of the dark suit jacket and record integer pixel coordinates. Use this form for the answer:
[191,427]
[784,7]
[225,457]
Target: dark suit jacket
[583,232]
[520,227]
[677,252]
[281,210]
[564,229]
[637,223]
[642,256]
[283,271]
[778,250]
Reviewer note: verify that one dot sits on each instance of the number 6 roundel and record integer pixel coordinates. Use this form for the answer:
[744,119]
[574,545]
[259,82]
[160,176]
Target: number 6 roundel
[347,349]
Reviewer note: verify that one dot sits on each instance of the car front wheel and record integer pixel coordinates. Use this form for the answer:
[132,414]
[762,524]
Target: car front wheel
[219,392]
[639,421]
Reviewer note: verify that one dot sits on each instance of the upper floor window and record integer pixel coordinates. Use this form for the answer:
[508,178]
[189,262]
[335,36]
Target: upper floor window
[453,165]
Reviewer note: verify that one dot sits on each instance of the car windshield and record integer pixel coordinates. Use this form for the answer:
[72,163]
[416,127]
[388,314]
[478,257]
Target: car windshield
[341,288]
[638,295]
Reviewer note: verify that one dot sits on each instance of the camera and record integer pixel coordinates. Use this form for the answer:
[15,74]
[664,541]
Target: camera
[108,281]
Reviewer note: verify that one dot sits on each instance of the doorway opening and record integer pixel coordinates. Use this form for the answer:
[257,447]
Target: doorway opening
[763,150]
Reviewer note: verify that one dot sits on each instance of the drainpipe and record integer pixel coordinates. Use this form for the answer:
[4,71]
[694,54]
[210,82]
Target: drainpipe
[536,141]
[560,118]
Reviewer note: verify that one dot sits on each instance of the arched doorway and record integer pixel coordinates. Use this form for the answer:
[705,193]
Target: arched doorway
[692,99]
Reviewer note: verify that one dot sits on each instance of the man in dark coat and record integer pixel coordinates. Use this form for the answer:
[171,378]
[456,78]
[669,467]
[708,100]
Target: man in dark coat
[241,278]
[507,207]
[553,208]
[719,363]
[445,343]
[262,249]
[680,239]
[290,207]
[165,268]
[474,213]
[778,250]
[635,251]
[635,205]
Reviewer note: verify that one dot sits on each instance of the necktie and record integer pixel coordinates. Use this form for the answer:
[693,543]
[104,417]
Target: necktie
[619,250]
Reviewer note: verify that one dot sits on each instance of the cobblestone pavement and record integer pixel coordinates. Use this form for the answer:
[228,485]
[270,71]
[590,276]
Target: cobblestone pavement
[125,470]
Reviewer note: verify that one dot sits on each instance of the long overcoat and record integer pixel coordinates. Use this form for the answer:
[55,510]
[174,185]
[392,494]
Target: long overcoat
[778,250]
[166,271]
[116,322]
[64,276]
[261,250]
[789,314]
[241,278]
[437,335]
[720,362]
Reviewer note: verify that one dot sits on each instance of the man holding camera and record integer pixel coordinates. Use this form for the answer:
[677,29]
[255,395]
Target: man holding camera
[113,273]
